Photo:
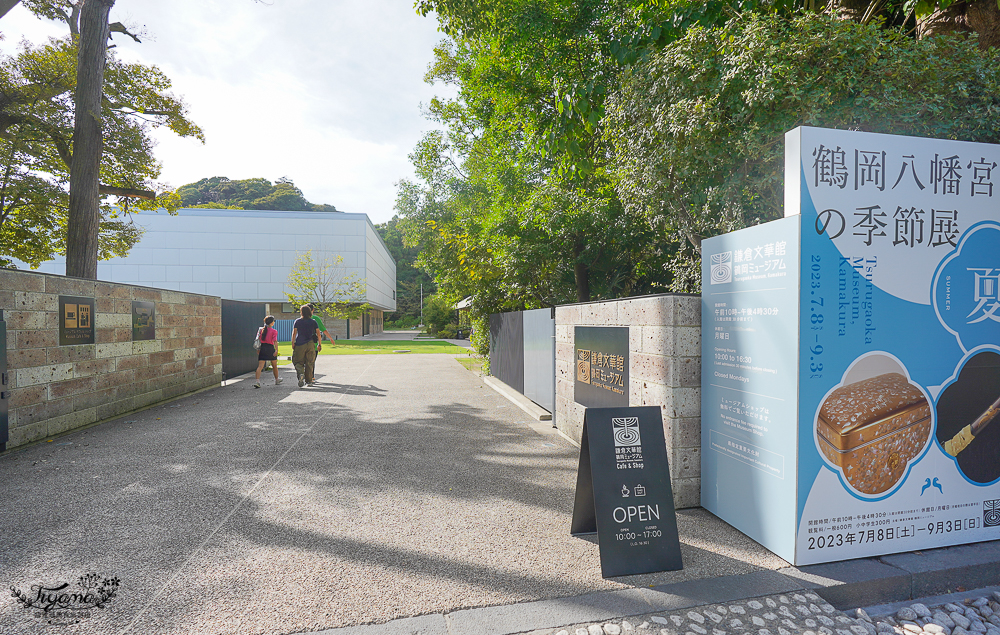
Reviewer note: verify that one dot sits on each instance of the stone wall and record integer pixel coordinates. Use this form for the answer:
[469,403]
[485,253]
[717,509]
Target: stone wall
[58,388]
[356,328]
[275,309]
[664,370]
[337,328]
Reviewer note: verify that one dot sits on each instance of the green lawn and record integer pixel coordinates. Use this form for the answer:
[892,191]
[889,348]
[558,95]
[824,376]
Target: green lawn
[378,347]
[474,364]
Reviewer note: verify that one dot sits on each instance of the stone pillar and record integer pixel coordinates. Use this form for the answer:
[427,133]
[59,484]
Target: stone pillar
[664,370]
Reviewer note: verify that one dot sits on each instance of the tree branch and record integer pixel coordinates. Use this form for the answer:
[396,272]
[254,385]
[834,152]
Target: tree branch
[139,111]
[125,191]
[62,145]
[118,27]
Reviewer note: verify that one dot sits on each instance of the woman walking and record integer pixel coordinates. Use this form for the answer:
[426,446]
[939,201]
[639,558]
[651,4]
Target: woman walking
[268,350]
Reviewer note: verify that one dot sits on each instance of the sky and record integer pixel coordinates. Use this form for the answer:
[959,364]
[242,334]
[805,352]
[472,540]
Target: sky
[325,92]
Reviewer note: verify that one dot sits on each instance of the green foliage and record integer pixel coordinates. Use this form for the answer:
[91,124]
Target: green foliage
[593,144]
[439,315]
[513,204]
[405,322]
[219,192]
[36,142]
[698,128]
[480,338]
[409,277]
[327,285]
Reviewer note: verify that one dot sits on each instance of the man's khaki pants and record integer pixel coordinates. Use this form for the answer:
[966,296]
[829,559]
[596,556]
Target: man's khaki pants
[304,360]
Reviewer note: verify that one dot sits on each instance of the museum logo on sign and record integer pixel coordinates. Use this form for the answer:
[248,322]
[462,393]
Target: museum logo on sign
[583,366]
[722,267]
[601,354]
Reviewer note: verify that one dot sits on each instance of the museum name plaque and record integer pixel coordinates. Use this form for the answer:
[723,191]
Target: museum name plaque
[76,320]
[143,321]
[601,366]
[623,491]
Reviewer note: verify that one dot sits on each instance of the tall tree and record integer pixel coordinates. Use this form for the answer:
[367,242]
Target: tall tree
[328,286]
[515,199]
[528,134]
[84,181]
[410,278]
[698,128]
[37,114]
[56,105]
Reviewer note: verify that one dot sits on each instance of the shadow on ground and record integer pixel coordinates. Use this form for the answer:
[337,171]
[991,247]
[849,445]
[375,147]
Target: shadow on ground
[275,510]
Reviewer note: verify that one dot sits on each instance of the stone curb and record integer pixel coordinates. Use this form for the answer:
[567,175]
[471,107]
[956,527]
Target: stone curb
[530,407]
[850,584]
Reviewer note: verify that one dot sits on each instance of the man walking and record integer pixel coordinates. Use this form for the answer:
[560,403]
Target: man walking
[304,339]
[321,331]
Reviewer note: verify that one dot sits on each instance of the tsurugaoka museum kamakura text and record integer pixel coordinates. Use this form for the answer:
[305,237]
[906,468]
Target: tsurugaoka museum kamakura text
[851,352]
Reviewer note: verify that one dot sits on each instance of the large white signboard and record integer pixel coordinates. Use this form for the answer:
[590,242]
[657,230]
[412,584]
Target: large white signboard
[868,366]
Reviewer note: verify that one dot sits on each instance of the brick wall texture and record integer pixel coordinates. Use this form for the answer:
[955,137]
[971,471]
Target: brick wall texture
[664,370]
[58,388]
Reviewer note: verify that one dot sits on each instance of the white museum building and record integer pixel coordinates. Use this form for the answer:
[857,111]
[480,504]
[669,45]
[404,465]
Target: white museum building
[247,255]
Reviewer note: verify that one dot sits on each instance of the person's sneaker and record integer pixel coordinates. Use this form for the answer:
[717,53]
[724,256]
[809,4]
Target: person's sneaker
[302,382]
[278,381]
[256,385]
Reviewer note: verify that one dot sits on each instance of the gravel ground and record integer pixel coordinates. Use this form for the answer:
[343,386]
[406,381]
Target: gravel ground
[806,613]
[971,616]
[400,486]
[802,613]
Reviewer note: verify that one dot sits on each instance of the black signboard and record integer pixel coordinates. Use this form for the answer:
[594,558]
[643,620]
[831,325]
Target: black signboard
[623,491]
[143,321]
[76,320]
[601,366]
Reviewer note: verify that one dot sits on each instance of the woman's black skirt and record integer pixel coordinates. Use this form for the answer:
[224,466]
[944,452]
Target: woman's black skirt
[267,353]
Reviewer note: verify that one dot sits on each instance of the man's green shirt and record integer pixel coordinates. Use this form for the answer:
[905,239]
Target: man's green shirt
[319,329]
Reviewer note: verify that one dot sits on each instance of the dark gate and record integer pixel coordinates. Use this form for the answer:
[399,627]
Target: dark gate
[507,348]
[4,386]
[240,321]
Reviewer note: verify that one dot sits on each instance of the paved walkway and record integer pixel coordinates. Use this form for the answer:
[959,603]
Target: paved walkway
[400,487]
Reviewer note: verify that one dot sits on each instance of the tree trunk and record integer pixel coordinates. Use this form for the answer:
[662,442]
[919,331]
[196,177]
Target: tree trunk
[944,21]
[854,10]
[981,17]
[83,226]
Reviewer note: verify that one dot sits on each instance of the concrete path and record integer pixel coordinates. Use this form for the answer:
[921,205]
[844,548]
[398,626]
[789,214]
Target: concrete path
[400,487]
